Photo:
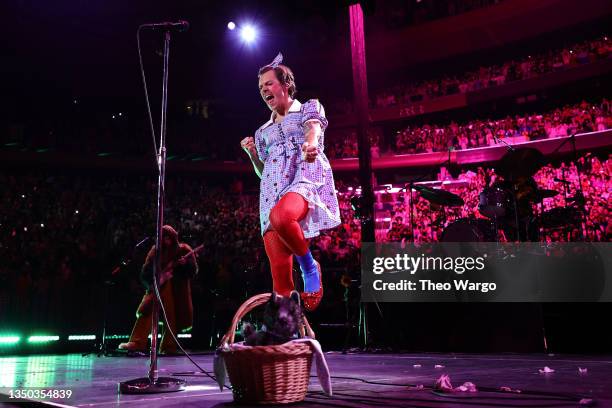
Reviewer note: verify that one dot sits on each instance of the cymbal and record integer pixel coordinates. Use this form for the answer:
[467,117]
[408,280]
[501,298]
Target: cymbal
[539,195]
[440,197]
[521,162]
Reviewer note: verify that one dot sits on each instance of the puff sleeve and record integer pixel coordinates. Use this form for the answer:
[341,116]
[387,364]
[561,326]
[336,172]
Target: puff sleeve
[313,110]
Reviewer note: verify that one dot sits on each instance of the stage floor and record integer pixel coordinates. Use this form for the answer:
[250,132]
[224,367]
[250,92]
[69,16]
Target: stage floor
[93,380]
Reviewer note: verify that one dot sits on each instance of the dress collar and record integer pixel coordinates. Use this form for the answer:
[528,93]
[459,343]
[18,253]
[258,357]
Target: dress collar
[296,106]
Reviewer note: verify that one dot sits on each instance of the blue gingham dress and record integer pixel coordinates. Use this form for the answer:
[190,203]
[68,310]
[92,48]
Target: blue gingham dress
[279,146]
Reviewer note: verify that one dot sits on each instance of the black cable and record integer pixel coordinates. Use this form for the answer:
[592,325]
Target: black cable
[169,329]
[144,82]
[569,397]
[197,374]
[155,285]
[365,401]
[459,396]
[331,404]
[385,400]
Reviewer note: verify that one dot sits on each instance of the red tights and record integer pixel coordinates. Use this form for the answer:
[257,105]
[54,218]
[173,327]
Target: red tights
[284,239]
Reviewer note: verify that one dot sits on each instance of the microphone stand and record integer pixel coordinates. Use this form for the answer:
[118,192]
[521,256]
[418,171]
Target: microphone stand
[411,209]
[152,383]
[514,200]
[102,349]
[579,197]
[580,201]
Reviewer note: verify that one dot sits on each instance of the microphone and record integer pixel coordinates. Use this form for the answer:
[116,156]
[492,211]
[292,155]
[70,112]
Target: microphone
[178,26]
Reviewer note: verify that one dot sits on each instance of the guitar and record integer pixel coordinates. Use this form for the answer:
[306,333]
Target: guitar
[166,274]
[168,271]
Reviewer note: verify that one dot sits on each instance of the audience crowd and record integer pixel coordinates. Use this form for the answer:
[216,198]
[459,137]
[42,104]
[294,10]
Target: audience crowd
[427,138]
[343,143]
[530,66]
[564,121]
[63,236]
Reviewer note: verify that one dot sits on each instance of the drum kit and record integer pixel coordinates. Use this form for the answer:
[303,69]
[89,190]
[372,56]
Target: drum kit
[507,207]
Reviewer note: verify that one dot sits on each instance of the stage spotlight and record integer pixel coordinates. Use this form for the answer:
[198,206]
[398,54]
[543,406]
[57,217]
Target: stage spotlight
[248,34]
[231,25]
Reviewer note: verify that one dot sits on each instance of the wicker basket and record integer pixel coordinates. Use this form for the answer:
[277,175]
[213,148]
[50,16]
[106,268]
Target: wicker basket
[277,374]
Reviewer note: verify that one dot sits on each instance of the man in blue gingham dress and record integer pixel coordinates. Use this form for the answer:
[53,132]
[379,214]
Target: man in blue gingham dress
[297,197]
[279,147]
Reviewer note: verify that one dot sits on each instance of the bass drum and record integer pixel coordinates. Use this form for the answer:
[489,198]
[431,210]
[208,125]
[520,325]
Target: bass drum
[470,230]
[495,202]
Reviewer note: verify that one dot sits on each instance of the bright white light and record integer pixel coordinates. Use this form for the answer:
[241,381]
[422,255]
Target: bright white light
[76,337]
[231,25]
[120,114]
[42,225]
[248,34]
[76,211]
[199,388]
[113,116]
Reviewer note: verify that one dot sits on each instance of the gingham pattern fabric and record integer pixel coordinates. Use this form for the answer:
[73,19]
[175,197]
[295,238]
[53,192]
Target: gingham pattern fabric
[279,147]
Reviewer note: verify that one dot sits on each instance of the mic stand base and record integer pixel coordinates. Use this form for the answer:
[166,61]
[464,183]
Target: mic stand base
[145,386]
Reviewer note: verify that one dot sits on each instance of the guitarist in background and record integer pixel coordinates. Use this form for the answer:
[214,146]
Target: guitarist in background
[178,267]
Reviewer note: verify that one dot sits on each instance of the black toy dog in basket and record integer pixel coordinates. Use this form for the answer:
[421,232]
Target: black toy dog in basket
[273,374]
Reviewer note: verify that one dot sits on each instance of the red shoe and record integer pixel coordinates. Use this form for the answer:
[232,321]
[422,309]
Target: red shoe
[311,300]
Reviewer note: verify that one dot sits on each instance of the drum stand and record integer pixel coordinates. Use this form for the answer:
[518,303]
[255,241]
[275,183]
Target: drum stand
[411,210]
[516,217]
[441,223]
[566,183]
[496,229]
